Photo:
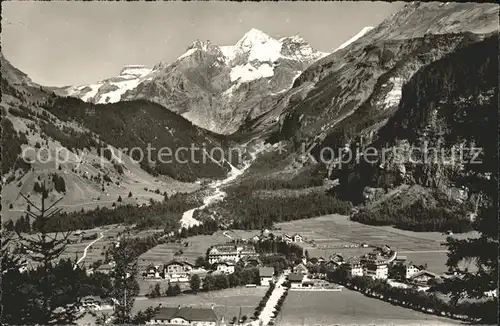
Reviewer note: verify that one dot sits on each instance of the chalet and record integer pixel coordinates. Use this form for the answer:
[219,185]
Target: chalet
[266,275]
[177,270]
[79,233]
[104,269]
[336,259]
[353,267]
[95,303]
[422,277]
[225,267]
[152,271]
[377,270]
[295,280]
[287,238]
[300,269]
[411,270]
[297,238]
[185,316]
[219,253]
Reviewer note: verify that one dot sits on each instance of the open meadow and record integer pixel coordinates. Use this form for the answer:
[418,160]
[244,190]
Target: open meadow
[336,233]
[227,303]
[349,308]
[192,248]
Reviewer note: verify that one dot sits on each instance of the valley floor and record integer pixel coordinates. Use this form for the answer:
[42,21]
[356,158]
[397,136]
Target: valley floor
[349,308]
[329,234]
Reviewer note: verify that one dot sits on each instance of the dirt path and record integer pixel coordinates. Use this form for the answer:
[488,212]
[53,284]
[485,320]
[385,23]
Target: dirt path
[87,248]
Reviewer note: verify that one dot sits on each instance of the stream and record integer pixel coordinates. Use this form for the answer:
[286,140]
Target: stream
[217,194]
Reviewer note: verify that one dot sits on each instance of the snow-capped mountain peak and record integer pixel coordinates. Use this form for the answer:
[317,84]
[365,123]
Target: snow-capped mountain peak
[111,89]
[253,37]
[256,58]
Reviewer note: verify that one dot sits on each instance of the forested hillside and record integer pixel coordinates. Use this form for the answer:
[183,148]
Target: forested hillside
[137,124]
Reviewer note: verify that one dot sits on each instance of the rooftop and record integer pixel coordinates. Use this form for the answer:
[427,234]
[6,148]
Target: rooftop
[266,271]
[179,262]
[424,272]
[186,313]
[294,277]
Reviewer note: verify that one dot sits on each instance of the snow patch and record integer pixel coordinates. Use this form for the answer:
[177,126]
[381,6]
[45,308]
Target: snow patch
[355,37]
[230,91]
[267,50]
[94,88]
[229,52]
[135,71]
[115,96]
[188,53]
[247,72]
[393,97]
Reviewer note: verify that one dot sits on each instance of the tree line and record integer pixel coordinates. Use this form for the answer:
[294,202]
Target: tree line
[252,212]
[419,216]
[417,300]
[165,214]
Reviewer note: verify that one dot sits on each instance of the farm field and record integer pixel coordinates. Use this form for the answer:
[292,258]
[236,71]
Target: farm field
[196,246]
[332,232]
[227,303]
[146,284]
[349,308]
[96,251]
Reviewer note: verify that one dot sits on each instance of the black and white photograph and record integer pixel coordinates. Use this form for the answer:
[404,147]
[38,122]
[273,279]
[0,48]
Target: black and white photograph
[249,163]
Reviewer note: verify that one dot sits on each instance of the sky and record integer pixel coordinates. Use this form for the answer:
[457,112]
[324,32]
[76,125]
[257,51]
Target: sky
[73,43]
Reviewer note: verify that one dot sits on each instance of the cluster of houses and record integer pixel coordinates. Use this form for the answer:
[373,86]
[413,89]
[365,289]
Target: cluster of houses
[375,265]
[222,259]
[173,271]
[294,238]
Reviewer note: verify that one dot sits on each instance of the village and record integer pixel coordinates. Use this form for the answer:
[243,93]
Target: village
[231,263]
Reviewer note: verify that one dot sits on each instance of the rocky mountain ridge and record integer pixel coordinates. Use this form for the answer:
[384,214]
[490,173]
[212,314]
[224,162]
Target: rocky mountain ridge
[215,87]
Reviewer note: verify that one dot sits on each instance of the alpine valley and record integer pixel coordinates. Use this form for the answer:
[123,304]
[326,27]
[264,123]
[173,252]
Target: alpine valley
[264,92]
[287,160]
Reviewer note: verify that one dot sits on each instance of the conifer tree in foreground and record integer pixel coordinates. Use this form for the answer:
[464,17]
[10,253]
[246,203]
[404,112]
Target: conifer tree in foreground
[125,286]
[58,300]
[482,251]
[12,304]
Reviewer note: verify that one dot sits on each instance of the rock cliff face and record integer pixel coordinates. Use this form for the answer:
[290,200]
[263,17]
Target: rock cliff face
[443,134]
[365,78]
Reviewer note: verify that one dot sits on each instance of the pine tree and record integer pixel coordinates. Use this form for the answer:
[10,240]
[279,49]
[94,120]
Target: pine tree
[194,283]
[14,302]
[125,286]
[55,306]
[482,251]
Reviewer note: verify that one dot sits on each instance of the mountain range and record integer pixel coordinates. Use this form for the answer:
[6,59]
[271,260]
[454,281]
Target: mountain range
[215,87]
[373,90]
